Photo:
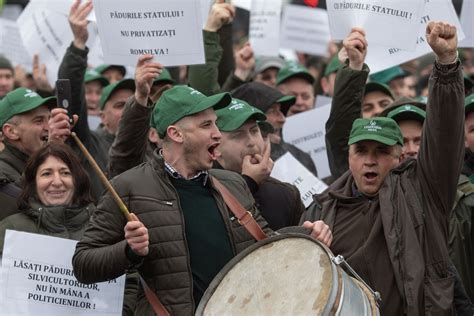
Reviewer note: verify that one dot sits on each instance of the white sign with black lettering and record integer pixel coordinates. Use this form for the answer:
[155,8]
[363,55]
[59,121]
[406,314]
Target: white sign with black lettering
[384,21]
[47,34]
[467,23]
[170,30]
[264,34]
[288,169]
[307,131]
[37,279]
[305,29]
[11,47]
[380,58]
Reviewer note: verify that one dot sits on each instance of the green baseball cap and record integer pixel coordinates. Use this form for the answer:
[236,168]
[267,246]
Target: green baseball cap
[93,75]
[237,113]
[20,101]
[104,67]
[380,129]
[181,101]
[107,92]
[407,112]
[468,104]
[387,75]
[294,70]
[333,66]
[377,86]
[164,77]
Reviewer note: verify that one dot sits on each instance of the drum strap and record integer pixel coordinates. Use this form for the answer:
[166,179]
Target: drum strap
[244,217]
[153,300]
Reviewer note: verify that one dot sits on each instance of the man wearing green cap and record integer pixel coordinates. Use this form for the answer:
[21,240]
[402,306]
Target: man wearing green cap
[182,233]
[395,77]
[390,220]
[296,80]
[275,105]
[24,121]
[468,168]
[7,76]
[243,150]
[328,79]
[113,73]
[93,83]
[377,97]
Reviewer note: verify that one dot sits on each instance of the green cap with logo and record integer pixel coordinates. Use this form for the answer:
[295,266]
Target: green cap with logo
[333,66]
[380,129]
[20,101]
[164,78]
[469,104]
[407,112]
[294,70]
[127,84]
[236,114]
[181,101]
[93,75]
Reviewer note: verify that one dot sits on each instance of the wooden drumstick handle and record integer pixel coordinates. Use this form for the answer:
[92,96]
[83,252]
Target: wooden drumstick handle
[102,177]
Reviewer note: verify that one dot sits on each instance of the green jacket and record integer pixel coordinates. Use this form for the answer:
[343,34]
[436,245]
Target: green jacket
[148,192]
[416,201]
[345,108]
[461,234]
[9,193]
[12,163]
[56,221]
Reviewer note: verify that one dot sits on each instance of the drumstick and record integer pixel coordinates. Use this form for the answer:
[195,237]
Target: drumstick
[102,177]
[157,306]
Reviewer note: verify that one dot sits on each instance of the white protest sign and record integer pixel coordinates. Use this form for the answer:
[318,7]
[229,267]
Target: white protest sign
[288,169]
[170,30]
[305,29]
[13,48]
[62,6]
[264,32]
[307,131]
[322,100]
[47,34]
[380,58]
[467,23]
[37,279]
[243,4]
[384,21]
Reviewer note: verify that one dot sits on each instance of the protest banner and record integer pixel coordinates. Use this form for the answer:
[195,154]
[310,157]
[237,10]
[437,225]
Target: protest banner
[170,30]
[288,169]
[45,33]
[305,29]
[467,23]
[322,100]
[379,58]
[384,21]
[63,7]
[307,131]
[37,279]
[11,47]
[264,33]
[243,4]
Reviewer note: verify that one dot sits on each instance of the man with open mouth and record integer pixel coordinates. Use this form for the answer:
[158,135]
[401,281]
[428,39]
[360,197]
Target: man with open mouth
[390,219]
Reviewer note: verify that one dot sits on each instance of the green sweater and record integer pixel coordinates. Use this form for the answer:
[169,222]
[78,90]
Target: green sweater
[208,241]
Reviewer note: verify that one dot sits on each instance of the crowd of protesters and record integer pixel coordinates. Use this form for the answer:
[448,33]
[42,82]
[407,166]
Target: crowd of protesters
[400,146]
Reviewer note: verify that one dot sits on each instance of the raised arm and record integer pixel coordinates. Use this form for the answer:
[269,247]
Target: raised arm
[74,65]
[441,151]
[130,144]
[346,104]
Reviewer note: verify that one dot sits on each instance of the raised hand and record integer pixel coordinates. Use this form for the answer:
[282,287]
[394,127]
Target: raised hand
[354,48]
[221,14]
[59,127]
[78,22]
[443,40]
[244,62]
[145,72]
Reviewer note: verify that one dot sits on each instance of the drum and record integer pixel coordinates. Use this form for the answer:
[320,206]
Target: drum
[289,274]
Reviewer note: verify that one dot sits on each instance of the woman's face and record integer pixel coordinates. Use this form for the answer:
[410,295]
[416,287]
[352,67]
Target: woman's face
[54,183]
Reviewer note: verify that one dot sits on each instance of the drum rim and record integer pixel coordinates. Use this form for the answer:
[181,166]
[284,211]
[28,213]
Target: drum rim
[237,258]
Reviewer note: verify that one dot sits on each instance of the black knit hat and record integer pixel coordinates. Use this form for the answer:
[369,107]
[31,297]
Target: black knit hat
[5,63]
[263,97]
